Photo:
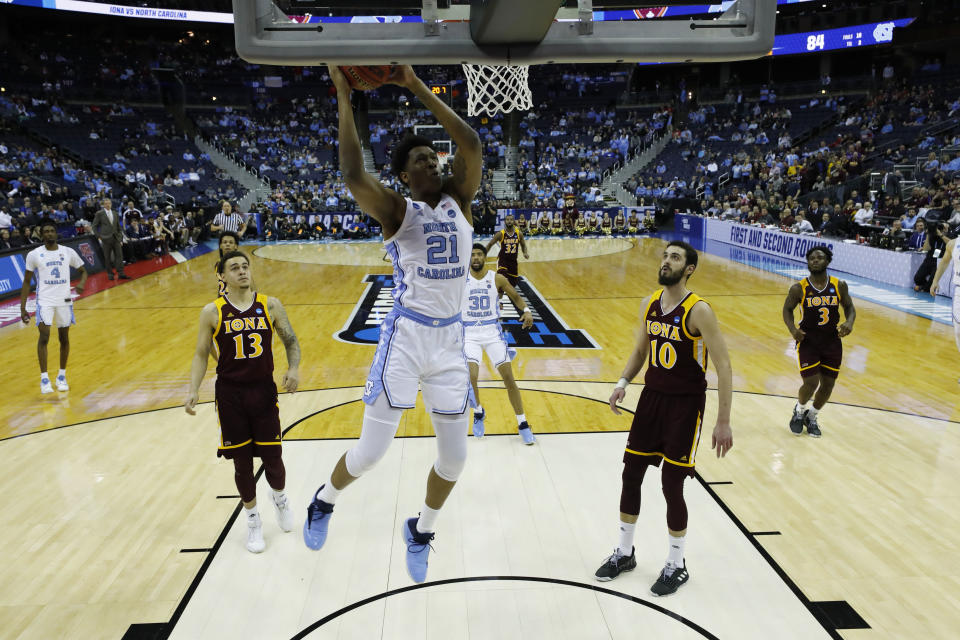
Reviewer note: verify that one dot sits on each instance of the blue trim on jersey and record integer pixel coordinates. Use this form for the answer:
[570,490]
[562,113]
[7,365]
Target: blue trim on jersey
[37,312]
[427,321]
[375,382]
[398,275]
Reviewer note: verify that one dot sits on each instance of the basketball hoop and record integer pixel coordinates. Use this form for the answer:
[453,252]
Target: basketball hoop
[442,157]
[494,89]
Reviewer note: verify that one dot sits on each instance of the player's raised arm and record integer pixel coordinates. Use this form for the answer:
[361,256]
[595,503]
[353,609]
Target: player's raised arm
[638,357]
[849,312]
[468,161]
[384,205]
[794,295]
[704,321]
[281,324]
[526,318]
[198,368]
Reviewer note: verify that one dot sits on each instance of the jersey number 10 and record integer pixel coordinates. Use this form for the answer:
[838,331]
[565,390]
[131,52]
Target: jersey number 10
[664,357]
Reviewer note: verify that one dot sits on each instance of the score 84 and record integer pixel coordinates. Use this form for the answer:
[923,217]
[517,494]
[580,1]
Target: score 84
[815,42]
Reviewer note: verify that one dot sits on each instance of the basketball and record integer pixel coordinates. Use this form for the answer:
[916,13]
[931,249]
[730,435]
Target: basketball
[367,78]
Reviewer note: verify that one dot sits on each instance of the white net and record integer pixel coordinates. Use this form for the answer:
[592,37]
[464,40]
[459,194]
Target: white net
[495,89]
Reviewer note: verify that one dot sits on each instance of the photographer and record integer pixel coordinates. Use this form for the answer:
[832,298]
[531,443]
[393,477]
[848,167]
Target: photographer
[934,245]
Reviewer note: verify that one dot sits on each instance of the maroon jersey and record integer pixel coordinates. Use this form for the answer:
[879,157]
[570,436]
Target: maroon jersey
[509,246]
[244,340]
[678,360]
[221,285]
[820,309]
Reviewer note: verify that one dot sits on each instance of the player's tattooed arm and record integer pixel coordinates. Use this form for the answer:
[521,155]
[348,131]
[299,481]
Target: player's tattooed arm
[849,312]
[283,328]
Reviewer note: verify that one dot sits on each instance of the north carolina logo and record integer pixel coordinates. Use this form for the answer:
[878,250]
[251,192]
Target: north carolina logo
[368,388]
[883,32]
[549,331]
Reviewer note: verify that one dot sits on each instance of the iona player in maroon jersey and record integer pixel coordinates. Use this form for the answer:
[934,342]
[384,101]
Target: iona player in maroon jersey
[819,349]
[680,329]
[511,243]
[242,323]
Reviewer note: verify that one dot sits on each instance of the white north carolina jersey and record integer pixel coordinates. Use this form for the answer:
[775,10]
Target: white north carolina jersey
[431,258]
[480,303]
[52,270]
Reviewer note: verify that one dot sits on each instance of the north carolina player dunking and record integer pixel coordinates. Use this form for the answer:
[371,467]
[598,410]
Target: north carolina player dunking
[482,332]
[428,237]
[819,349]
[951,258]
[51,263]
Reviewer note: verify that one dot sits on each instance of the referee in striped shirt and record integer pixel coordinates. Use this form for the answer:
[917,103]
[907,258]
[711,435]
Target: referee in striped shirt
[226,220]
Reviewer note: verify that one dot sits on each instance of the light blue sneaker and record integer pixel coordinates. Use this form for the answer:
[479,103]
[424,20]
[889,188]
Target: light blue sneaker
[418,549]
[526,433]
[478,423]
[318,521]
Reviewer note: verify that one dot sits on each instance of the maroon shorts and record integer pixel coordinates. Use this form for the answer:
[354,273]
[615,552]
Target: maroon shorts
[665,427]
[513,279]
[249,419]
[820,356]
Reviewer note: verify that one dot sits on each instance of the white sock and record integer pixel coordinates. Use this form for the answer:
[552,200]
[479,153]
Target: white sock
[798,409]
[427,520]
[329,493]
[277,495]
[62,373]
[626,537]
[521,418]
[675,557]
[813,413]
[252,512]
[44,377]
[478,410]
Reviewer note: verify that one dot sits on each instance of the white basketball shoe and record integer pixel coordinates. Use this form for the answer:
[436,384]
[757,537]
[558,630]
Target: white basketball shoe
[255,543]
[284,513]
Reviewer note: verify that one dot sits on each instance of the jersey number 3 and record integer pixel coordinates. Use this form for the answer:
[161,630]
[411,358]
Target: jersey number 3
[256,347]
[824,316]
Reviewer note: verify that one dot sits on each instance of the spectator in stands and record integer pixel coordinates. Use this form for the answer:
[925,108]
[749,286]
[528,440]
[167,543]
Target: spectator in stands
[863,216]
[16,239]
[802,225]
[918,238]
[911,218]
[6,220]
[5,240]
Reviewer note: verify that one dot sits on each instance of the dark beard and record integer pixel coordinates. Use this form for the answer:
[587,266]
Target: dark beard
[816,272]
[669,279]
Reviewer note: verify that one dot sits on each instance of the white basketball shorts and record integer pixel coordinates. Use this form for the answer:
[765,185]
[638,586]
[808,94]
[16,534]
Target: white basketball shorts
[487,338]
[413,352]
[61,314]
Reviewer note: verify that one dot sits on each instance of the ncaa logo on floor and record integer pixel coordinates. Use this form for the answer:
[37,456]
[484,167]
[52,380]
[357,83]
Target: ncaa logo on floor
[549,331]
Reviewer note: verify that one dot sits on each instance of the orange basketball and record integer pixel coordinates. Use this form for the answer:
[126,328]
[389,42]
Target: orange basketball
[367,78]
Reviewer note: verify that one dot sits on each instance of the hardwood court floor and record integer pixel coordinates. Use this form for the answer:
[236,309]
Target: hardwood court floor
[866,514]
